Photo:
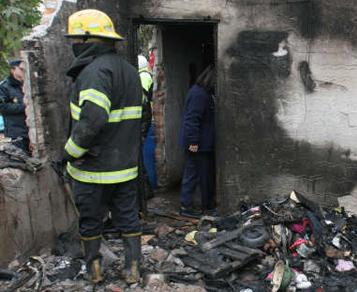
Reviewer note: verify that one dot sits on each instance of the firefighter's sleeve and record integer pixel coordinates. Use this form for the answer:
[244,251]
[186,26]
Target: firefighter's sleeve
[95,93]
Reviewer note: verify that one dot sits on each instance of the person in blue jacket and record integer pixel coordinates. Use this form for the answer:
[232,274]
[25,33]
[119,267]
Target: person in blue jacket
[12,106]
[197,139]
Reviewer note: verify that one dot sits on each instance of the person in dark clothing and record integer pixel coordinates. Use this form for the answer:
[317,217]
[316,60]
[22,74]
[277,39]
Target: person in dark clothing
[145,190]
[102,152]
[197,139]
[12,105]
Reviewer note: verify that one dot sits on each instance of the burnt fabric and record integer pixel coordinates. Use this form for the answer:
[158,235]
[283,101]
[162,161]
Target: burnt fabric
[12,108]
[199,170]
[198,120]
[92,201]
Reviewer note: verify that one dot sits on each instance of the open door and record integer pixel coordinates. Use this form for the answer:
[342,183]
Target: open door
[182,50]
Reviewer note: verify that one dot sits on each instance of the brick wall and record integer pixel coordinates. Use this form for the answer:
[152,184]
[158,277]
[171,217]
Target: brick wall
[159,121]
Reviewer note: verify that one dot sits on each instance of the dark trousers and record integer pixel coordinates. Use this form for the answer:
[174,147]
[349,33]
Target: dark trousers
[199,170]
[93,200]
[144,188]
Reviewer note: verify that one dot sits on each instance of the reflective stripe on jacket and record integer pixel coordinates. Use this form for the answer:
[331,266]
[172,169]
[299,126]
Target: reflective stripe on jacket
[146,79]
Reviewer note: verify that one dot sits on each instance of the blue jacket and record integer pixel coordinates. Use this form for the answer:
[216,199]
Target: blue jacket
[198,120]
[12,108]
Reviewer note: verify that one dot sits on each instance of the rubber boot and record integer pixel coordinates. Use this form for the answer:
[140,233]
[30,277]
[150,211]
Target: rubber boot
[93,259]
[132,251]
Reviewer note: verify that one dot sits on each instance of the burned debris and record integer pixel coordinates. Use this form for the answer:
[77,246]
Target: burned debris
[287,243]
[14,157]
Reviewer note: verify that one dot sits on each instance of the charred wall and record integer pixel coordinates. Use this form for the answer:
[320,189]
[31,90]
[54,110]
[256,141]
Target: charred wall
[34,208]
[49,56]
[285,111]
[285,105]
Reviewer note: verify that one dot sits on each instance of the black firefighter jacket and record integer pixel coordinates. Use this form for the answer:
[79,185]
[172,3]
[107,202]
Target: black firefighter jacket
[106,117]
[12,108]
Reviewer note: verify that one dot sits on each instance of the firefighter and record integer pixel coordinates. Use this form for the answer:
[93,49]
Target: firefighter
[146,78]
[145,190]
[12,105]
[149,143]
[102,152]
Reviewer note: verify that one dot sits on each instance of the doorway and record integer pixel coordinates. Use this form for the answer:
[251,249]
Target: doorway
[182,49]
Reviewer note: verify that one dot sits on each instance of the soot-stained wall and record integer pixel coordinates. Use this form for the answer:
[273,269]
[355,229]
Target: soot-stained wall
[286,113]
[34,207]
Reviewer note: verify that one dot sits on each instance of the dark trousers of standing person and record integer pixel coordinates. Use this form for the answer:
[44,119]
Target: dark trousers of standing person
[144,188]
[199,170]
[92,201]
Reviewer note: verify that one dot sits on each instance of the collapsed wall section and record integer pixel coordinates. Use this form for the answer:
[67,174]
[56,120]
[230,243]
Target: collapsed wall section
[34,207]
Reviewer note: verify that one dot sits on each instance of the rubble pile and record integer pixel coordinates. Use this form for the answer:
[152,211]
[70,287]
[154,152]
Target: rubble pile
[14,157]
[283,244]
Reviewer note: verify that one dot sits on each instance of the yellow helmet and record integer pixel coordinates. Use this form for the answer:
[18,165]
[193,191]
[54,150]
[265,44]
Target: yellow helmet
[91,23]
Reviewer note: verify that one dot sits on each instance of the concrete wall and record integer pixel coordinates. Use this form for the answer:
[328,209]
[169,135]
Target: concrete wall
[33,210]
[284,120]
[49,55]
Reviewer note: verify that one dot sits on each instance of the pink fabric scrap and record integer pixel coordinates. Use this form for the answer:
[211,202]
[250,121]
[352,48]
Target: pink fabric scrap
[269,276]
[297,228]
[344,266]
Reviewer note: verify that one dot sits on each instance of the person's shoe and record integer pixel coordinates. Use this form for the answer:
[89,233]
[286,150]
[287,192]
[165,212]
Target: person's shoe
[211,212]
[190,212]
[132,274]
[93,258]
[132,252]
[94,271]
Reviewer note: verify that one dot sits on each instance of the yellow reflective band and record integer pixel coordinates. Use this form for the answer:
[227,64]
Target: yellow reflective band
[115,116]
[109,177]
[75,111]
[134,234]
[96,97]
[73,149]
[91,238]
[126,113]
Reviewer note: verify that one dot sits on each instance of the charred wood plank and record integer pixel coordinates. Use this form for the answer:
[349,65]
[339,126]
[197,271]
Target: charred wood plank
[244,249]
[233,254]
[220,261]
[161,213]
[221,239]
[206,268]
